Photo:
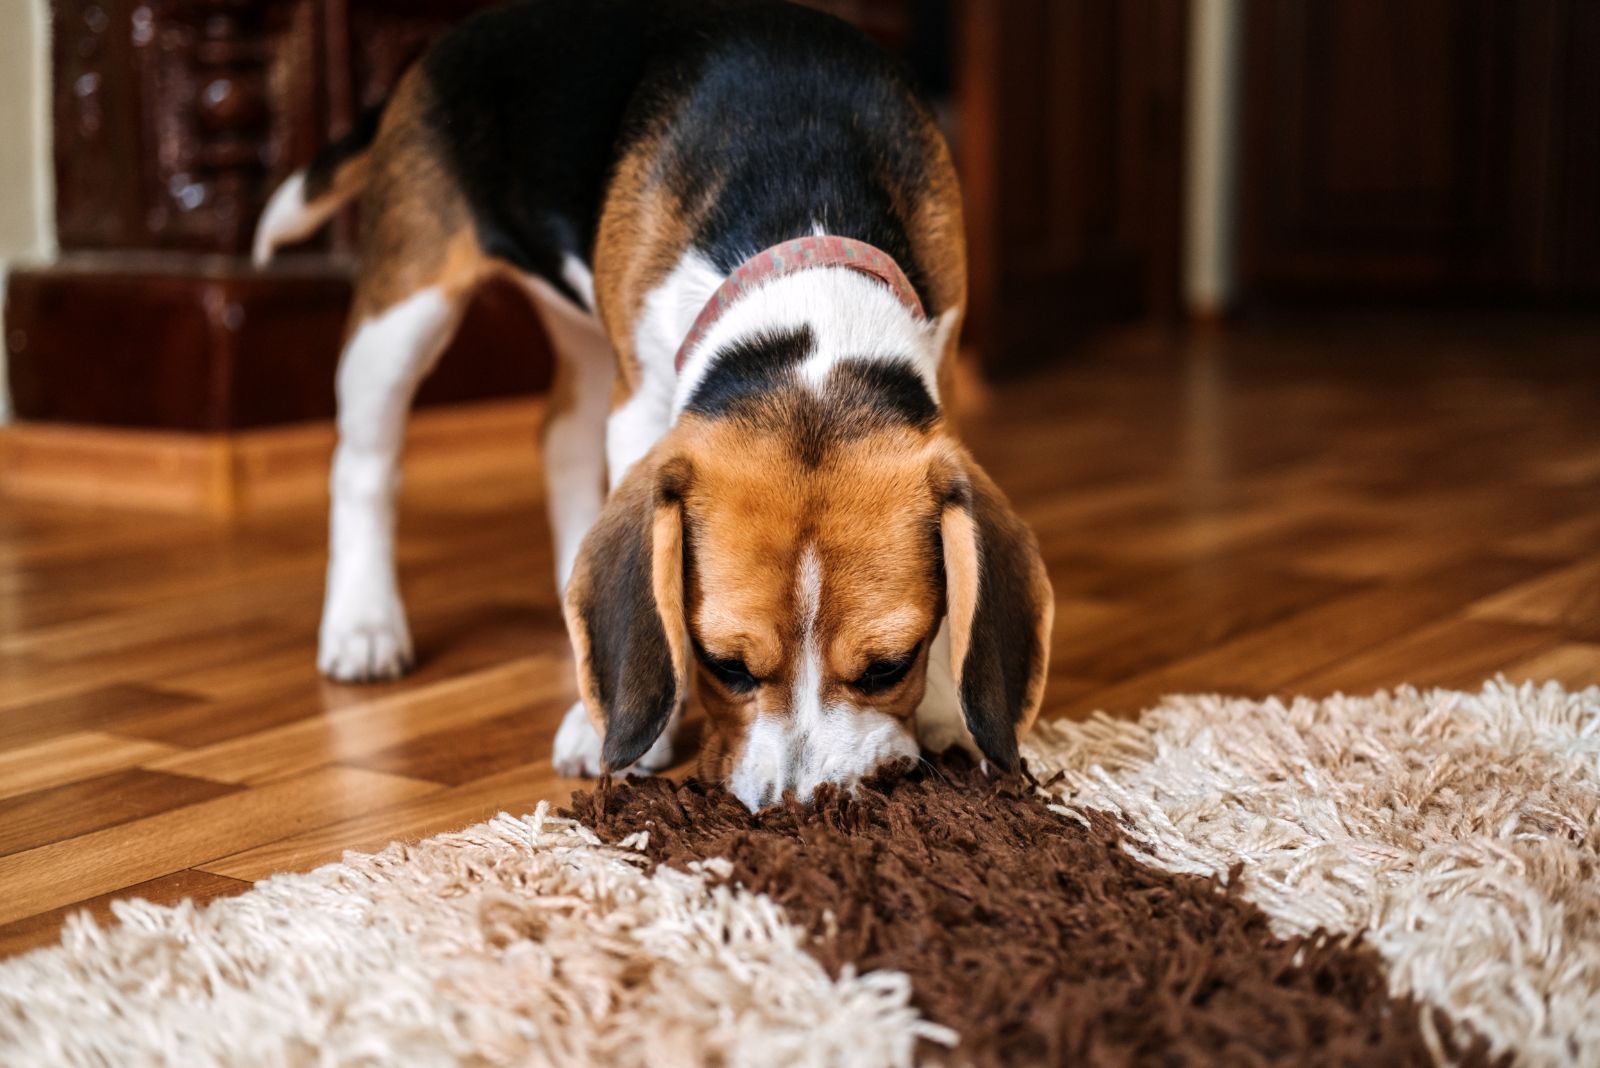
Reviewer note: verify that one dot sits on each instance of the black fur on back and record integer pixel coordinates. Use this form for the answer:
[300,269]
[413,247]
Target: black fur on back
[774,118]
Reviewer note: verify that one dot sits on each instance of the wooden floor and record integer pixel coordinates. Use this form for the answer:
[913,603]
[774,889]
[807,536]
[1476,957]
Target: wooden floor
[1292,509]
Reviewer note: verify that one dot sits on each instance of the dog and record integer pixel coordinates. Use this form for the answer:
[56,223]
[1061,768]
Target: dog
[742,230]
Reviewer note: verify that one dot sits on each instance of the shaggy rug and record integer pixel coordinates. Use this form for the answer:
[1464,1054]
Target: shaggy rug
[1409,878]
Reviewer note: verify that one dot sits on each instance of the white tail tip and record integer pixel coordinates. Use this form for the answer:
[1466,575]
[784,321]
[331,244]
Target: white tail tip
[286,218]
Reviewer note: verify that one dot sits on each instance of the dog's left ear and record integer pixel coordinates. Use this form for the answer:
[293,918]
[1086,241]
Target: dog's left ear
[624,611]
[1000,609]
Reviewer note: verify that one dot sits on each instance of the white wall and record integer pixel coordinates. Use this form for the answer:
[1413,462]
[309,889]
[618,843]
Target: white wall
[27,228]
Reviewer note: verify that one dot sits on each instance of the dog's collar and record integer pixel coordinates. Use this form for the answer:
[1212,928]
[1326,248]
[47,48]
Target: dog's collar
[801,254]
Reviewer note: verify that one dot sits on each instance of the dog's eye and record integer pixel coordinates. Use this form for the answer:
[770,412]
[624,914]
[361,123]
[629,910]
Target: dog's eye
[732,674]
[884,675]
[728,670]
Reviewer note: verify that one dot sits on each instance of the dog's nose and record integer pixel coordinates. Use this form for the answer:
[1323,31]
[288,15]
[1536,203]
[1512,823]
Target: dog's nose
[778,758]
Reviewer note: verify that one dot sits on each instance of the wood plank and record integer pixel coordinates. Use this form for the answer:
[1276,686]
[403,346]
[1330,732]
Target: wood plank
[105,467]
[1567,598]
[250,593]
[102,861]
[71,758]
[67,811]
[1392,554]
[1564,540]
[58,675]
[517,790]
[44,928]
[475,749]
[1191,611]
[274,700]
[1575,665]
[97,708]
[1263,661]
[227,474]
[1455,653]
[1200,534]
[347,734]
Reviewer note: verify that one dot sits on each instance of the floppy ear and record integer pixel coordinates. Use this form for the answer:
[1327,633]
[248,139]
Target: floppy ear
[1000,609]
[624,610]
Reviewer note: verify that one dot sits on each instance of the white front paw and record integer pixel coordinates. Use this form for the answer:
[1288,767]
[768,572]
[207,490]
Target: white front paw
[658,757]
[364,642]
[941,724]
[946,733]
[577,748]
[578,745]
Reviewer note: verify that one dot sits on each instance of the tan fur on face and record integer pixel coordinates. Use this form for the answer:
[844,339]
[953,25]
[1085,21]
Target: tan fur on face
[868,513]
[960,538]
[666,581]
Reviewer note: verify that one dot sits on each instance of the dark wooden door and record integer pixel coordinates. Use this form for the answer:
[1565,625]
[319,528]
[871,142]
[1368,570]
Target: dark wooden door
[1431,147]
[1070,145]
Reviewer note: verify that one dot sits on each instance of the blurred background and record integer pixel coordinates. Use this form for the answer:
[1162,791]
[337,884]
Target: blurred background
[1123,160]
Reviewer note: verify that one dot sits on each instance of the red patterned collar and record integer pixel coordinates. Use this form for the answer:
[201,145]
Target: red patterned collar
[801,254]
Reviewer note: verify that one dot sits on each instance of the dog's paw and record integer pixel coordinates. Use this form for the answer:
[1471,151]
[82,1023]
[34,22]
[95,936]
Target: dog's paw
[577,749]
[657,758]
[364,637]
[365,652]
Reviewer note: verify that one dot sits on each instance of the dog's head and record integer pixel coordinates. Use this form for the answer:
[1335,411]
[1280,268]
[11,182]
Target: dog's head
[798,547]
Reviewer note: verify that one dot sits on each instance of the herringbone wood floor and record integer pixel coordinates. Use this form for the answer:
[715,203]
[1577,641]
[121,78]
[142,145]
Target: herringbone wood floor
[1288,509]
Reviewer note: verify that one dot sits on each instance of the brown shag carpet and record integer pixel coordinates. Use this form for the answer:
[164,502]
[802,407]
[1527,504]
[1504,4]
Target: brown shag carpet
[1031,935]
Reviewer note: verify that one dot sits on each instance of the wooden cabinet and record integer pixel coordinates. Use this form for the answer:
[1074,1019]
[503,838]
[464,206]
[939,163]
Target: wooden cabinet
[1425,148]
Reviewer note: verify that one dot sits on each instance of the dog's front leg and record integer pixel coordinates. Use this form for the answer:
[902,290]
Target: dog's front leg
[631,431]
[941,724]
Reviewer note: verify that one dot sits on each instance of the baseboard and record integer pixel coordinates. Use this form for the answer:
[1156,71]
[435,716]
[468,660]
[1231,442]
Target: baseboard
[225,475]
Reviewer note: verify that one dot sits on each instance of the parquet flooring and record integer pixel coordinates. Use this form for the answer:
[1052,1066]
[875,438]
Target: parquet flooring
[1289,508]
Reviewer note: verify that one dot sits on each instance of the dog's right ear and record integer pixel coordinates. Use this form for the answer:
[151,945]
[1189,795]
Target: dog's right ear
[1000,610]
[624,610]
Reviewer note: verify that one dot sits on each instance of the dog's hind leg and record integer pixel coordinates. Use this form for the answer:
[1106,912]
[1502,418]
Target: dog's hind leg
[420,262]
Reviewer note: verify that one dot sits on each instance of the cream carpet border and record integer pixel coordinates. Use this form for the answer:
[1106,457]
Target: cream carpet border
[1460,832]
[518,941]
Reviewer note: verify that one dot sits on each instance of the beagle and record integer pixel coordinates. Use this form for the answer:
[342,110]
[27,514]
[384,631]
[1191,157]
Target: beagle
[742,231]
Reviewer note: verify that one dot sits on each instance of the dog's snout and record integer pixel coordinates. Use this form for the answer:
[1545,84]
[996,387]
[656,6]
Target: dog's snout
[781,756]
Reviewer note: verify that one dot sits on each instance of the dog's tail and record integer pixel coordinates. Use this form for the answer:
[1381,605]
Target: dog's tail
[308,198]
